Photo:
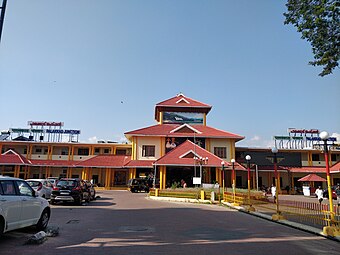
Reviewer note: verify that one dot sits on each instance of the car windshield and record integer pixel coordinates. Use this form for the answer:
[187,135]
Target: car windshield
[62,183]
[33,183]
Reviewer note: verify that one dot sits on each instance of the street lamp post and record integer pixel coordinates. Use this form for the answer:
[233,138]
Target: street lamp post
[331,229]
[248,158]
[222,163]
[202,161]
[234,182]
[278,215]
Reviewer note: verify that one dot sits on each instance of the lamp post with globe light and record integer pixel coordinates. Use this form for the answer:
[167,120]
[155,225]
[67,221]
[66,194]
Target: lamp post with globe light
[234,182]
[331,229]
[201,161]
[278,215]
[222,163]
[248,158]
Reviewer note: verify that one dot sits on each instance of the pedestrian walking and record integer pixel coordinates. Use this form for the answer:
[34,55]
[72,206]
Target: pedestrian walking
[319,194]
[273,191]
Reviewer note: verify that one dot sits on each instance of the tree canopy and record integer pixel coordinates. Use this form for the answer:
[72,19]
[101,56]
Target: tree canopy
[319,23]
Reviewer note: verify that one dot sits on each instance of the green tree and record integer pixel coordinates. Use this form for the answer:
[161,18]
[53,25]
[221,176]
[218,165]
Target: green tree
[319,23]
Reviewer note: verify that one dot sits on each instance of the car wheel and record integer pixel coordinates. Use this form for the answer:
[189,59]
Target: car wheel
[43,221]
[79,201]
[52,202]
[2,226]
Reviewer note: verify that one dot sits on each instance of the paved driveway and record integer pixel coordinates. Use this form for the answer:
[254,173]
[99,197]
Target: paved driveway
[124,223]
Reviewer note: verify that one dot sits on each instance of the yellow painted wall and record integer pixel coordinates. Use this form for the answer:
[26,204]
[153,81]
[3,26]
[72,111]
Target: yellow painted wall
[148,141]
[223,143]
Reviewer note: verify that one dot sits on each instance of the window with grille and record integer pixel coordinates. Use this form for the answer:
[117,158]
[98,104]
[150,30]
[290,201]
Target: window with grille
[64,151]
[148,151]
[83,151]
[121,152]
[220,152]
[315,157]
[334,157]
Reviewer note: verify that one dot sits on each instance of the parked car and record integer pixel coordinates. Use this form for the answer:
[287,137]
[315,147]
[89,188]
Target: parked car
[20,206]
[70,190]
[91,189]
[53,180]
[138,184]
[325,193]
[42,187]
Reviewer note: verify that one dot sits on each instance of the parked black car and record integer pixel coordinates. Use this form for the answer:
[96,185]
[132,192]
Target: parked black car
[138,184]
[70,190]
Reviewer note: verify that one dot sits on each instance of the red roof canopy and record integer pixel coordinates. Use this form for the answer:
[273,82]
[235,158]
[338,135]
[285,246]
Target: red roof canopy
[111,161]
[335,168]
[184,154]
[306,169]
[11,157]
[57,163]
[140,164]
[312,178]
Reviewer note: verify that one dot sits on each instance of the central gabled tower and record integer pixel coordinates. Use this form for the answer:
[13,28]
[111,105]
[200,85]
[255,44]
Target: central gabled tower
[181,109]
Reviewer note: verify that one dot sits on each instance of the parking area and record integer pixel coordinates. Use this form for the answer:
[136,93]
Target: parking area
[121,222]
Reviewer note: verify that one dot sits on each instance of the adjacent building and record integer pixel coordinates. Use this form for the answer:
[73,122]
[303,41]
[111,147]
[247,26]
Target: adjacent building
[180,146]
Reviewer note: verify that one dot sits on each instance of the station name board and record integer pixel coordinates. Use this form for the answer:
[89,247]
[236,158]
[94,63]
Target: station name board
[303,131]
[63,131]
[46,123]
[49,131]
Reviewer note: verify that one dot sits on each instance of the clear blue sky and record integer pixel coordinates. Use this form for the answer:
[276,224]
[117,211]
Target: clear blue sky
[75,61]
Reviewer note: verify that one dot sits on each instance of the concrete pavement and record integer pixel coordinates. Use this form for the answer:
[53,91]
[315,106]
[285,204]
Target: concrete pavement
[292,224]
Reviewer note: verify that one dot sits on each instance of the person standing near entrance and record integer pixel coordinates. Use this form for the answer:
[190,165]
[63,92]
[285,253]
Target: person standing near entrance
[319,194]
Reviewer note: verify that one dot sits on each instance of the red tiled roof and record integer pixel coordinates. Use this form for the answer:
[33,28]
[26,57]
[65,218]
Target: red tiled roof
[58,163]
[306,169]
[335,168]
[312,178]
[11,157]
[182,101]
[116,161]
[270,168]
[140,164]
[187,131]
[183,155]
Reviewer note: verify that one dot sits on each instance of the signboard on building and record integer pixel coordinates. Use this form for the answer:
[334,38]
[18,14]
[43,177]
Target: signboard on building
[183,117]
[300,139]
[46,123]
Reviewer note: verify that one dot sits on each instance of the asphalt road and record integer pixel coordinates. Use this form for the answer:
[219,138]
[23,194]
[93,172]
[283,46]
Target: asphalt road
[124,223]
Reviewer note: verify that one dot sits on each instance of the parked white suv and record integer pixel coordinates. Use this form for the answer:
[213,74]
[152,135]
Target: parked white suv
[20,206]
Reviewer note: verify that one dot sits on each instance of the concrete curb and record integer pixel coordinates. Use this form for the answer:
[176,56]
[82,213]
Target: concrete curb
[183,200]
[295,225]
